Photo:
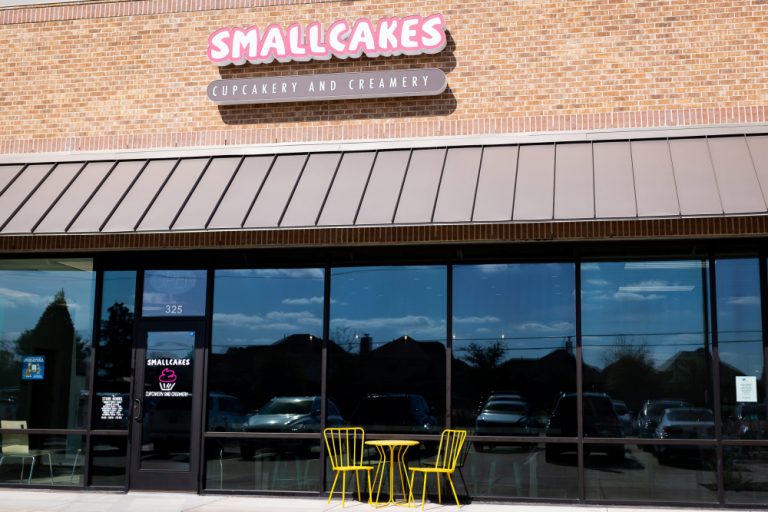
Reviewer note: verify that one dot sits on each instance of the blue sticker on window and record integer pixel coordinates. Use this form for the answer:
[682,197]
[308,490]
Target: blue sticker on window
[33,368]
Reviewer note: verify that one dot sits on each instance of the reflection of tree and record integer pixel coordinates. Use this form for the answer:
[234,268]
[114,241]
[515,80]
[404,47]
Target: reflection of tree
[628,373]
[47,401]
[114,357]
[484,356]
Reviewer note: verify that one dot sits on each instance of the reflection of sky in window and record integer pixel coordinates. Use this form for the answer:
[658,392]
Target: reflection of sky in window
[24,295]
[529,308]
[738,315]
[656,304]
[388,303]
[260,307]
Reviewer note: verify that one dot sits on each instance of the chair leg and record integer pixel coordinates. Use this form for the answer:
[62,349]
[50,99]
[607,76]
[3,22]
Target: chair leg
[370,490]
[343,488]
[357,480]
[50,466]
[424,491]
[450,481]
[333,486]
[410,488]
[439,494]
[31,469]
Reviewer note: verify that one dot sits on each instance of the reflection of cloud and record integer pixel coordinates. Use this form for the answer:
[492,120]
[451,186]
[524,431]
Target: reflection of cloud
[475,319]
[15,298]
[291,273]
[749,300]
[586,267]
[635,297]
[655,285]
[540,327]
[286,321]
[303,301]
[377,323]
[492,269]
[597,282]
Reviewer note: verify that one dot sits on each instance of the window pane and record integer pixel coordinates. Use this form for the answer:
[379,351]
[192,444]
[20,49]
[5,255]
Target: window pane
[514,332]
[682,473]
[646,350]
[277,465]
[58,460]
[45,341]
[745,474]
[264,366]
[113,352]
[174,293]
[740,342]
[109,459]
[386,356]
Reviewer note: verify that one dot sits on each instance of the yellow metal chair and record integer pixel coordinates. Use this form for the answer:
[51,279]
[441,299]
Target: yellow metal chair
[17,445]
[451,444]
[345,450]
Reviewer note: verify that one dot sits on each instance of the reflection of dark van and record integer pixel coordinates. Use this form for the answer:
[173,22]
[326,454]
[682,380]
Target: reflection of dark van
[225,413]
[394,411]
[600,420]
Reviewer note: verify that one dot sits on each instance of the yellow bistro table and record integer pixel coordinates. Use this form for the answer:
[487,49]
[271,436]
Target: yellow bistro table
[392,452]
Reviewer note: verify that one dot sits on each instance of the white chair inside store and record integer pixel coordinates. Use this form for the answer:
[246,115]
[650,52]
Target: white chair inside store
[16,445]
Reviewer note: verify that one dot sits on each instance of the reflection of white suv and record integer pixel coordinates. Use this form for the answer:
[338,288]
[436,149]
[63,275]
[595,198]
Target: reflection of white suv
[225,413]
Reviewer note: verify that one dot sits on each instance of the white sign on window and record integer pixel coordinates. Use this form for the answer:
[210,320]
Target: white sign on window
[746,389]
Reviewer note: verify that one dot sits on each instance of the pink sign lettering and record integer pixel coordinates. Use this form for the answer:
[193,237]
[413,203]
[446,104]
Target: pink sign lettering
[411,35]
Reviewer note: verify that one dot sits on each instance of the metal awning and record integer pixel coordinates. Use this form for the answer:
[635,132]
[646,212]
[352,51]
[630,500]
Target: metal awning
[620,179]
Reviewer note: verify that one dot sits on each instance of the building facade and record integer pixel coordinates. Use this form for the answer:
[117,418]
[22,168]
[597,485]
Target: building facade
[228,224]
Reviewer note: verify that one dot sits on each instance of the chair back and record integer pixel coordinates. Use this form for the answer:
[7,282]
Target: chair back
[345,445]
[451,444]
[16,443]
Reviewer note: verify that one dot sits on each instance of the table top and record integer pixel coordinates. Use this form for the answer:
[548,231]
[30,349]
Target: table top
[392,442]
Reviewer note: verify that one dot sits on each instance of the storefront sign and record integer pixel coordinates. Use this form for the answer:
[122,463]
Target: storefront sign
[334,86]
[33,368]
[746,389]
[411,35]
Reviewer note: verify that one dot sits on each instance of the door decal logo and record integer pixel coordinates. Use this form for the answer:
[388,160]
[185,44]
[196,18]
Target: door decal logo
[167,379]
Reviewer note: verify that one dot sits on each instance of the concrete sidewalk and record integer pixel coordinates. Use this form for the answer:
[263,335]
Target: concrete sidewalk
[80,501]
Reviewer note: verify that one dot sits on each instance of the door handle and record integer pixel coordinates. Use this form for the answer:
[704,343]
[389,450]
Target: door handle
[138,410]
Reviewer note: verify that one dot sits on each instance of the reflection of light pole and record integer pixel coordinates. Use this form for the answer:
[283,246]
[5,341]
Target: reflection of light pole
[707,358]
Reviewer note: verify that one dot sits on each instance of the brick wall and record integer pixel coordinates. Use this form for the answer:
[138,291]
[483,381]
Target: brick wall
[133,74]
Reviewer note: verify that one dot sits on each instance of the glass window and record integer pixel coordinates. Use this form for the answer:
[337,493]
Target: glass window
[745,476]
[113,352]
[45,341]
[647,373]
[109,460]
[174,293]
[265,361]
[740,343]
[386,356]
[58,459]
[514,338]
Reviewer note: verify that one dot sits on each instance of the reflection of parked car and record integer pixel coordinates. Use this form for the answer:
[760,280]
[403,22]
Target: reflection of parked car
[394,411]
[684,423]
[600,420]
[225,413]
[750,421]
[622,411]
[502,417]
[288,414]
[650,414]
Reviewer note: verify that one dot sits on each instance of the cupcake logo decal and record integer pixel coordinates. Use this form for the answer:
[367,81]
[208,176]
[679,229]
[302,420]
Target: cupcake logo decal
[167,379]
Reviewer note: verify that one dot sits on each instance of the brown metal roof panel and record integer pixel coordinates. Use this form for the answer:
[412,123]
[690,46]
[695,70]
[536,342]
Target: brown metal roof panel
[417,200]
[496,184]
[534,192]
[574,186]
[41,200]
[7,173]
[207,193]
[655,187]
[17,193]
[72,201]
[108,195]
[347,189]
[694,176]
[614,184]
[137,200]
[758,148]
[310,192]
[736,177]
[457,188]
[276,192]
[239,197]
[173,196]
[383,190]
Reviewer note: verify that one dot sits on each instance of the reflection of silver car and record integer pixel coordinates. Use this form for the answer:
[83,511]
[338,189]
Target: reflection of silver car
[225,413]
[625,417]
[502,418]
[288,414]
[684,423]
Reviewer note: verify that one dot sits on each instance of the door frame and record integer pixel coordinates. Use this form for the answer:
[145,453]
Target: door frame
[162,479]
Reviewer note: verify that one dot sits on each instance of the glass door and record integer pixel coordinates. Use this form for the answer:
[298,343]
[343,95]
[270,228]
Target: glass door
[167,406]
